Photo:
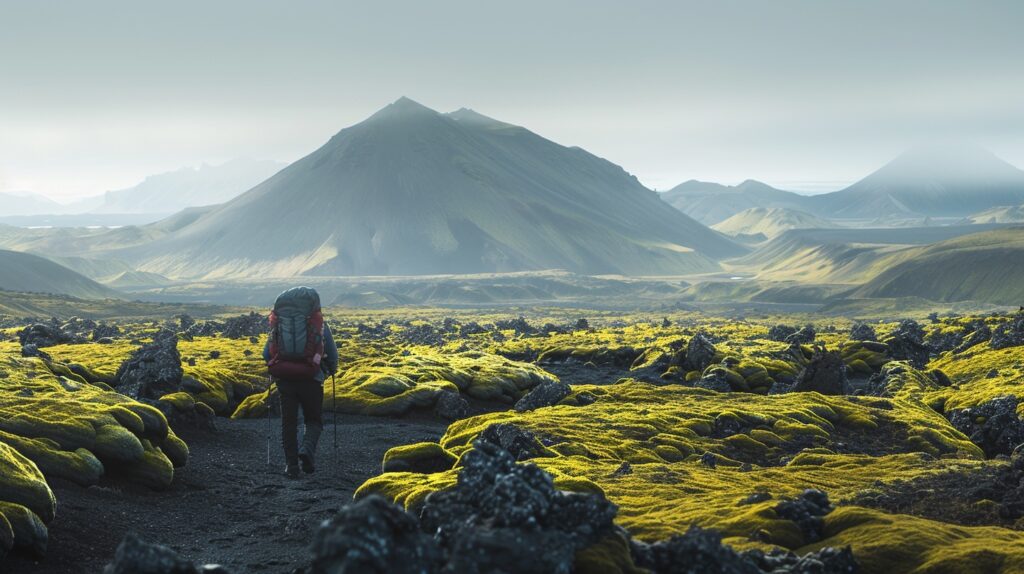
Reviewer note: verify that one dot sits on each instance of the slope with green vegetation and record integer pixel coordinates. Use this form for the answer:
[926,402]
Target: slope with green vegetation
[983,267]
[30,273]
[770,222]
[1011,214]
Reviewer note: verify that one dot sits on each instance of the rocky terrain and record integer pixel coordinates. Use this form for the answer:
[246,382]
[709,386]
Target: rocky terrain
[551,440]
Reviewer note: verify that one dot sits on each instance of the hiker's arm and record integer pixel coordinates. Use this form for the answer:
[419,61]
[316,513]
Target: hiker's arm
[330,351]
[266,350]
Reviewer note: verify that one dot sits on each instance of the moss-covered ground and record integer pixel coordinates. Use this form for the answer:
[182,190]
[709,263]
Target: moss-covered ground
[668,453]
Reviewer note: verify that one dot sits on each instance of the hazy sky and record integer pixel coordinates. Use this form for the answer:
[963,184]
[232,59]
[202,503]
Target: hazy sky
[96,95]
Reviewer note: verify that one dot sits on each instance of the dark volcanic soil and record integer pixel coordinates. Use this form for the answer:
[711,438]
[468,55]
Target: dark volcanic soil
[226,506]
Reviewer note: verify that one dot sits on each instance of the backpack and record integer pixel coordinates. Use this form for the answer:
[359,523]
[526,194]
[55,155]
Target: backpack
[296,335]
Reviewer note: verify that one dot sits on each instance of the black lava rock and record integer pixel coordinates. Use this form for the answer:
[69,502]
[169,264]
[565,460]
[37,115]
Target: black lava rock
[134,556]
[806,511]
[249,325]
[509,517]
[451,406]
[994,426]
[31,350]
[906,343]
[700,352]
[520,443]
[828,560]
[375,536]
[45,335]
[519,325]
[152,370]
[699,551]
[825,374]
[804,336]
[1009,334]
[781,332]
[863,332]
[545,394]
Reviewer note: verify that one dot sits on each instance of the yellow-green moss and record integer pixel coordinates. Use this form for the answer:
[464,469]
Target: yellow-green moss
[431,453]
[898,543]
[398,384]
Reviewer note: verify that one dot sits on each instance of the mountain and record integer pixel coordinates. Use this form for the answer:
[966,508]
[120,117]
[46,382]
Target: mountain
[17,203]
[841,256]
[987,266]
[30,273]
[411,191]
[936,181]
[1011,214]
[770,222]
[189,187]
[712,203]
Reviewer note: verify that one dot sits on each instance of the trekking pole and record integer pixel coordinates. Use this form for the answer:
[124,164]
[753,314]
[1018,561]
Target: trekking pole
[270,387]
[334,407]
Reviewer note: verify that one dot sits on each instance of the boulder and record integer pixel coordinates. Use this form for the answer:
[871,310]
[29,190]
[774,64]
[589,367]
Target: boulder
[45,335]
[700,352]
[153,370]
[546,394]
[781,332]
[804,336]
[978,336]
[806,511]
[509,517]
[863,332]
[1009,334]
[994,426]
[373,535]
[250,325]
[451,406]
[133,556]
[906,343]
[520,443]
[825,374]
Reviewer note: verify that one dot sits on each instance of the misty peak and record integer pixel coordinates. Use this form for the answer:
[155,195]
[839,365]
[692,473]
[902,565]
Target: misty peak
[949,161]
[403,107]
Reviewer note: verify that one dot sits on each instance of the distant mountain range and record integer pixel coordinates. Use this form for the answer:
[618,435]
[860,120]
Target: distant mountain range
[189,187]
[945,181]
[411,191]
[155,197]
[711,203]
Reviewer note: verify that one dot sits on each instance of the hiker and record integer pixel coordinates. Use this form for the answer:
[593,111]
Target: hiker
[300,353]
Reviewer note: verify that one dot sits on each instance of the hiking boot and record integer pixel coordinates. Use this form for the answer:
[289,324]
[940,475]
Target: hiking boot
[291,471]
[307,463]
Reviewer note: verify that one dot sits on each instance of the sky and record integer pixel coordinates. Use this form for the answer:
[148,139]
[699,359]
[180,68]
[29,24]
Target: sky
[806,95]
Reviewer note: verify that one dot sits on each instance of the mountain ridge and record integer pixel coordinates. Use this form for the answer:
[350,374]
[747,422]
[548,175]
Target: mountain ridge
[414,191]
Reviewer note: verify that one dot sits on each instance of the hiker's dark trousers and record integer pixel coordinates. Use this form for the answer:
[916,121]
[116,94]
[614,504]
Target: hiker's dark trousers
[309,395]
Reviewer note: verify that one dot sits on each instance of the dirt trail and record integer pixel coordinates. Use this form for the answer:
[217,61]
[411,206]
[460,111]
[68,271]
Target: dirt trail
[226,507]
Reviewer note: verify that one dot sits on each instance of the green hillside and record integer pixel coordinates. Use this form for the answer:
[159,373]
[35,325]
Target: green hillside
[985,267]
[770,222]
[31,273]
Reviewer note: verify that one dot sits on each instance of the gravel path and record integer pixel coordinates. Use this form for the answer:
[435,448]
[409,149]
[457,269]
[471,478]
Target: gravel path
[226,506]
